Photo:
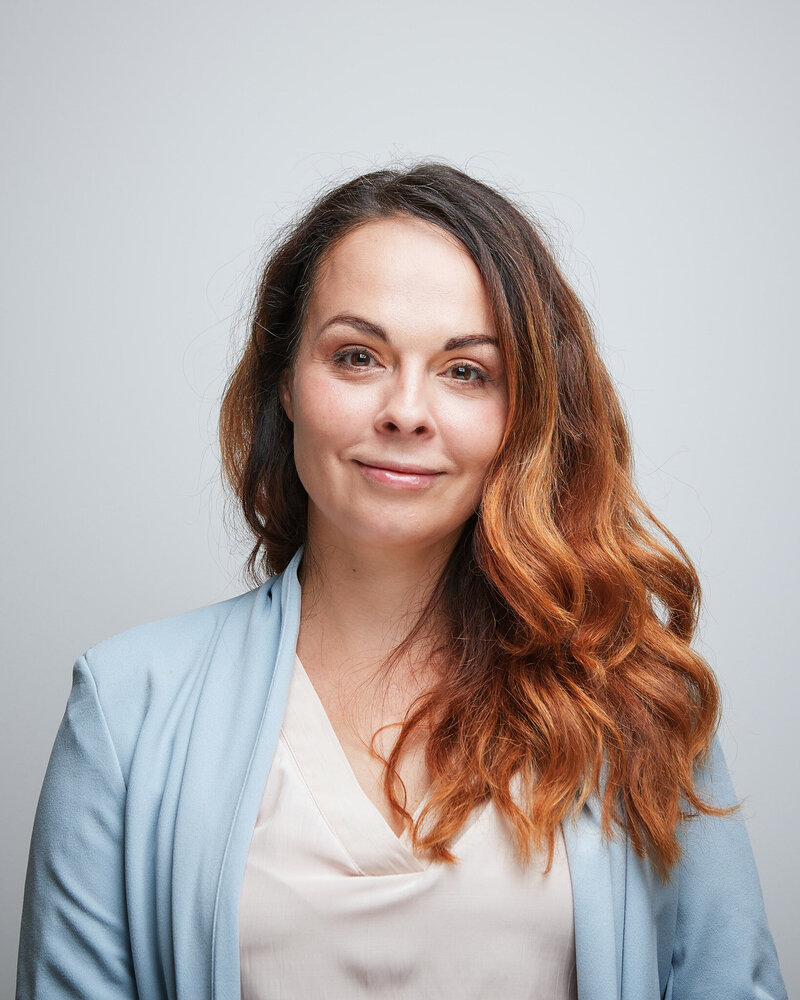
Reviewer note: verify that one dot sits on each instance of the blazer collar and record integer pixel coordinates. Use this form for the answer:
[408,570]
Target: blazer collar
[234,732]
[597,871]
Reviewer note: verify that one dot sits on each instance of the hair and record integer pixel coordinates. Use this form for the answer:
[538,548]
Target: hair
[566,621]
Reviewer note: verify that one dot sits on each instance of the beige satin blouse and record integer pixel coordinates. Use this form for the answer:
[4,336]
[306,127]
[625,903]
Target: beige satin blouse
[335,905]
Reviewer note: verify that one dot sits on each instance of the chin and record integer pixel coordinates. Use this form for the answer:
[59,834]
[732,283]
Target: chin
[396,530]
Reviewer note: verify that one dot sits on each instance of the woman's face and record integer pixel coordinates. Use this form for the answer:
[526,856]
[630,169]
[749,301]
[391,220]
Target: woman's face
[396,366]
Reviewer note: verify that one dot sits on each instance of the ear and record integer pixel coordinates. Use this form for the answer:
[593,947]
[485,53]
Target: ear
[285,393]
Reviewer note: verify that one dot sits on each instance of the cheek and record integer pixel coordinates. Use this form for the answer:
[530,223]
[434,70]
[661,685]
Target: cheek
[327,419]
[475,436]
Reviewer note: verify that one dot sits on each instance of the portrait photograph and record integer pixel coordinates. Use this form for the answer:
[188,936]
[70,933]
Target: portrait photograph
[400,438]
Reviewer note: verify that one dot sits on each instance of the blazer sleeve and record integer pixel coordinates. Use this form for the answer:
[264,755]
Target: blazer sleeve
[723,945]
[74,939]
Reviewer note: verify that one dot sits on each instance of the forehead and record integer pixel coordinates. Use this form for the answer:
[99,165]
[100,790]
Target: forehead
[402,270]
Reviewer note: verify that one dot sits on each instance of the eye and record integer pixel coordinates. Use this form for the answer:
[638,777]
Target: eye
[481,375]
[340,358]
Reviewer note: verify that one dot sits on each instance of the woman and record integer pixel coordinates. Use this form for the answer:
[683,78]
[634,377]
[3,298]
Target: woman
[456,743]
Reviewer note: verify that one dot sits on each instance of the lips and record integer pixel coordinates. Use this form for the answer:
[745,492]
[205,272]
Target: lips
[399,478]
[412,470]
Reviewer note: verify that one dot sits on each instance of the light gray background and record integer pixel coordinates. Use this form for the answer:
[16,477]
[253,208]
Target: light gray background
[151,148]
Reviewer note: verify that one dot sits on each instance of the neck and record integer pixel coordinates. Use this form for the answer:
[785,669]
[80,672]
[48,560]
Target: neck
[359,602]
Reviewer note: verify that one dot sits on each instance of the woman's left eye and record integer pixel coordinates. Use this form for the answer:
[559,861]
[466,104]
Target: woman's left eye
[479,372]
[341,358]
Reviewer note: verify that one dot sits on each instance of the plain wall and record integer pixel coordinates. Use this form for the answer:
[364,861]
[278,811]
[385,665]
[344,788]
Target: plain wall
[151,149]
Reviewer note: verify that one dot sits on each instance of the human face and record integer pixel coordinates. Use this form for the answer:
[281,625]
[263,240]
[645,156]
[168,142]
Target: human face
[380,380]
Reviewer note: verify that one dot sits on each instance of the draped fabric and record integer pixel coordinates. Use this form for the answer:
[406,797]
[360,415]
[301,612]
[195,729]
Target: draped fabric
[335,905]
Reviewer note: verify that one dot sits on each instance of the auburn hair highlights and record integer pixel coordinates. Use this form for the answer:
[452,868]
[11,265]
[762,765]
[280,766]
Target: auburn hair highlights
[567,609]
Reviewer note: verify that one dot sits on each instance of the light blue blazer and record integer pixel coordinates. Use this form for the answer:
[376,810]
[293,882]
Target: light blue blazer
[151,796]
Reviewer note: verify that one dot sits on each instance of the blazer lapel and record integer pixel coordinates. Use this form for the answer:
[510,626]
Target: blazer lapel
[234,733]
[597,871]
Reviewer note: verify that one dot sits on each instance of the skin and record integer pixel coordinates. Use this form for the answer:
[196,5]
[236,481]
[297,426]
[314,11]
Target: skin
[378,549]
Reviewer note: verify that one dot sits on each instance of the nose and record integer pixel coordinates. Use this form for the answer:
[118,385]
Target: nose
[405,406]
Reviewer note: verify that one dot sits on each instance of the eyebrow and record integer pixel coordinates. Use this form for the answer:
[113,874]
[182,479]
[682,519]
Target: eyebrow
[366,326]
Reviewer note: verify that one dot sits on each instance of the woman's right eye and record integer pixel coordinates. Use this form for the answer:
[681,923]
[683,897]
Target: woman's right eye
[340,358]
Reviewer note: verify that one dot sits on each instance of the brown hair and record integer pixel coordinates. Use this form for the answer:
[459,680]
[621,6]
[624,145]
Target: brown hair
[567,622]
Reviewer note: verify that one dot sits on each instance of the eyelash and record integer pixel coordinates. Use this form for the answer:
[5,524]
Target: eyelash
[339,359]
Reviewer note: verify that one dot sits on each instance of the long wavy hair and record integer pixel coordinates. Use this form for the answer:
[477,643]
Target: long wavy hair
[567,621]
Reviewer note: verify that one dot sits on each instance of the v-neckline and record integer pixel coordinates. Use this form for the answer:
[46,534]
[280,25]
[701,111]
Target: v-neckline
[354,818]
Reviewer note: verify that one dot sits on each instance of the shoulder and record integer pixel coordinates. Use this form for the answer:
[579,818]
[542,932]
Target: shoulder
[164,647]
[722,935]
[148,678]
